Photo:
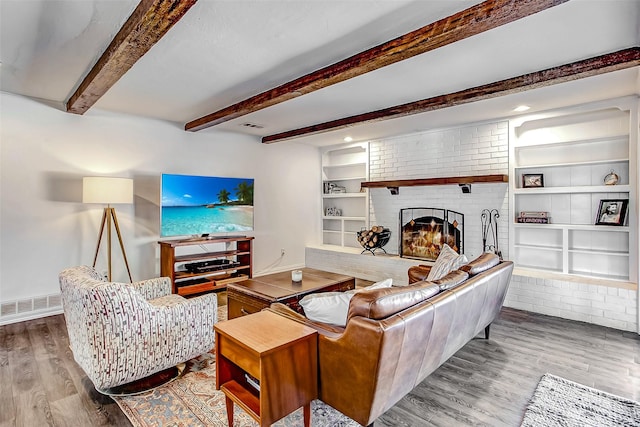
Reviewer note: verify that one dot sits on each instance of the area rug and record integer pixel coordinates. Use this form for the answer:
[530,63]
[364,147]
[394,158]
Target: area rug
[560,402]
[192,400]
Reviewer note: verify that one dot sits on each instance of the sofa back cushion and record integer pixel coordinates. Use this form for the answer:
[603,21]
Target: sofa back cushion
[332,307]
[380,303]
[451,280]
[480,264]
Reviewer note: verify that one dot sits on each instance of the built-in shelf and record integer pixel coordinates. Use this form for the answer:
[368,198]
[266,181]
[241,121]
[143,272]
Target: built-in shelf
[574,151]
[344,166]
[577,189]
[572,163]
[539,247]
[344,195]
[344,218]
[584,227]
[612,139]
[394,185]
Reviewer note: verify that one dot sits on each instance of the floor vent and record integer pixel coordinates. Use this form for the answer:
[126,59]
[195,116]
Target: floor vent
[31,308]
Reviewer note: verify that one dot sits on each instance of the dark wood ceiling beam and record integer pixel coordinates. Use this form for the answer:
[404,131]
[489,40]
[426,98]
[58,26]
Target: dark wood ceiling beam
[615,61]
[147,24]
[477,19]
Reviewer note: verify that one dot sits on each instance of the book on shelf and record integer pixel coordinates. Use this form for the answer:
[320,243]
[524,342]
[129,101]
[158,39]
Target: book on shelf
[531,214]
[527,220]
[253,381]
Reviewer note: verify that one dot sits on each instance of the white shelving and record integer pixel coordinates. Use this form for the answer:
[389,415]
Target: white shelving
[574,150]
[577,189]
[345,166]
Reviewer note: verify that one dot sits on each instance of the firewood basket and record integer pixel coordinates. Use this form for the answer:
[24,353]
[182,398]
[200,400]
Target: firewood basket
[372,239]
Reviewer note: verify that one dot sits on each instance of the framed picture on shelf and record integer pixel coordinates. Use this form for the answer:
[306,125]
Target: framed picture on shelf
[612,212]
[535,180]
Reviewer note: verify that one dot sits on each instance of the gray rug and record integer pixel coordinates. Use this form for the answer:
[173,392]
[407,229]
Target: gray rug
[560,402]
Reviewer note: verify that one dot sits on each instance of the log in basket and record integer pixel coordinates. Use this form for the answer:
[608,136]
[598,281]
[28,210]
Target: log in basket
[373,239]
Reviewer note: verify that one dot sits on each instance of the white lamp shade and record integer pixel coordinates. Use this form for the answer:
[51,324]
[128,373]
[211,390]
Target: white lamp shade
[107,190]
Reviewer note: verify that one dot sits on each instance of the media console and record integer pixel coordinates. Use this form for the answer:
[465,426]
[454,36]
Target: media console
[221,260]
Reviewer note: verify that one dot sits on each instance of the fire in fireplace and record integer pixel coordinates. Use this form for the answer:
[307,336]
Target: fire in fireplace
[424,231]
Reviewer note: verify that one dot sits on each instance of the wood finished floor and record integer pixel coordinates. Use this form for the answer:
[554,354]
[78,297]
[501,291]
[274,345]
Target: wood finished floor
[485,383]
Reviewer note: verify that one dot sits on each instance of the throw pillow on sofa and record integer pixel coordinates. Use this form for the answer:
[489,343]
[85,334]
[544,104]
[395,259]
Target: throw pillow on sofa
[447,261]
[332,307]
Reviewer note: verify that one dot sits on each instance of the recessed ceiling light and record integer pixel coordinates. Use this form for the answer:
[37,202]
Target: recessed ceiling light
[348,139]
[521,108]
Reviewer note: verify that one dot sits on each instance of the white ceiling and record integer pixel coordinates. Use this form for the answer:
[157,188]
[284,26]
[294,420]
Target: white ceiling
[224,51]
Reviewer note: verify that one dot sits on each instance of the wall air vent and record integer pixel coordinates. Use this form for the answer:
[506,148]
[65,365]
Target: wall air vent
[30,308]
[252,125]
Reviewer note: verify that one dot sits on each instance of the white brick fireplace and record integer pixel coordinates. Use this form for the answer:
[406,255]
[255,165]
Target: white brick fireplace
[477,149]
[480,149]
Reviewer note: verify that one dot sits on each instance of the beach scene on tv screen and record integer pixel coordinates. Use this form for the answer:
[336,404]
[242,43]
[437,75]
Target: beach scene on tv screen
[195,205]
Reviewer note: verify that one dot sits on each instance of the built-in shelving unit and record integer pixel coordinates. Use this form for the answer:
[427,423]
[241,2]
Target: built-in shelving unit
[574,151]
[236,251]
[345,205]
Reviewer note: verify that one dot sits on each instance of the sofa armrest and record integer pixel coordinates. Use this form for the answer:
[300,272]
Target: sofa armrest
[418,273]
[322,328]
[153,288]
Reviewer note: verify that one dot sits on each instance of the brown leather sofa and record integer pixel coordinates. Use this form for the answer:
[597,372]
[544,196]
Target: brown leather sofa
[395,337]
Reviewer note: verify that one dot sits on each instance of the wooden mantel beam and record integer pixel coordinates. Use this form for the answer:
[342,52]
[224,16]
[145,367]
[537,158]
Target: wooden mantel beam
[148,23]
[477,19]
[615,61]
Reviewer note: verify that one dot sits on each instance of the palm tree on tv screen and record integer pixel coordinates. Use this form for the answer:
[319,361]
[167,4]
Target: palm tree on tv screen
[244,192]
[223,196]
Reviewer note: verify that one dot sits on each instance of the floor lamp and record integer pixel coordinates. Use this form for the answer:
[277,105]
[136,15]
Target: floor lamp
[108,190]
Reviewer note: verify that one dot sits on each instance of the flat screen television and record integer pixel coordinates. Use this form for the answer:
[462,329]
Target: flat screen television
[203,205]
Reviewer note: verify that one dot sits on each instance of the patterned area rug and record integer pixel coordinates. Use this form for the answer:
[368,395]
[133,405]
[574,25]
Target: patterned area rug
[192,400]
[560,402]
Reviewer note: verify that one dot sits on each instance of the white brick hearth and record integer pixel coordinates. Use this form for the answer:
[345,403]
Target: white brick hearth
[592,303]
[366,266]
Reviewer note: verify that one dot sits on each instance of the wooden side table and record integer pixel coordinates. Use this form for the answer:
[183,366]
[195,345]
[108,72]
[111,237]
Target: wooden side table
[277,352]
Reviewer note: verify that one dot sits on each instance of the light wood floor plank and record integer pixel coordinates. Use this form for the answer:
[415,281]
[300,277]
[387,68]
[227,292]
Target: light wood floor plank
[7,408]
[488,382]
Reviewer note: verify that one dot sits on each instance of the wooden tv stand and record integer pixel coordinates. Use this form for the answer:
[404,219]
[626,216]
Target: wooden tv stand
[237,249]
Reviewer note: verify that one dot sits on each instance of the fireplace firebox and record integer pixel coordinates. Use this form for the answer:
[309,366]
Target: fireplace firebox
[424,231]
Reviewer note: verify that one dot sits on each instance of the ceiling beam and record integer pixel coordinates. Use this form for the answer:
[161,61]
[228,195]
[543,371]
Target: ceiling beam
[477,19]
[147,24]
[607,63]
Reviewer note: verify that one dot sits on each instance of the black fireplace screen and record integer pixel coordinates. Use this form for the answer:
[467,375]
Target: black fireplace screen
[423,232]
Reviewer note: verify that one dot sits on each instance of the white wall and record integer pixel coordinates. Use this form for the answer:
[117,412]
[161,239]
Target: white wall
[44,227]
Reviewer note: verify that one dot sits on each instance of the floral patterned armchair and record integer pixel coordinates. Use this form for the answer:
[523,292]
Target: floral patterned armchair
[122,332]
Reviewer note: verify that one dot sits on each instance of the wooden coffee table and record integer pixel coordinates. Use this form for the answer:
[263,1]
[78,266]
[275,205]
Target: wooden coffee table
[253,295]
